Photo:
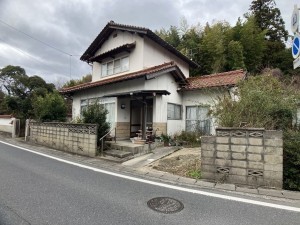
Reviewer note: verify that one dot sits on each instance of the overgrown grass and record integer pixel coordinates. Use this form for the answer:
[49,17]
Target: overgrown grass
[188,139]
[196,174]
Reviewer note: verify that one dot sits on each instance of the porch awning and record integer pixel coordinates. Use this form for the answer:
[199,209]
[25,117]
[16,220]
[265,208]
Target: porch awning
[139,93]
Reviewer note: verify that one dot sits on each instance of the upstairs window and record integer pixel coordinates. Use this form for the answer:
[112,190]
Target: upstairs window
[115,66]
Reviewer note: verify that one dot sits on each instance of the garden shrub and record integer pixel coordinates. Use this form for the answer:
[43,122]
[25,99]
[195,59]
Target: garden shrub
[291,160]
[190,139]
[96,114]
[265,102]
[51,107]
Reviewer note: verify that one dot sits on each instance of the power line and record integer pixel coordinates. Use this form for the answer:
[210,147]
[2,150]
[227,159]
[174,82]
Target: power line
[36,39]
[40,41]
[19,50]
[25,53]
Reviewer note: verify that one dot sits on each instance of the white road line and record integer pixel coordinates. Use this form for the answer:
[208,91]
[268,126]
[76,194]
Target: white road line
[231,198]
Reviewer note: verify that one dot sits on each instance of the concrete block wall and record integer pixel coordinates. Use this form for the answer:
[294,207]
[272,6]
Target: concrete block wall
[246,156]
[75,138]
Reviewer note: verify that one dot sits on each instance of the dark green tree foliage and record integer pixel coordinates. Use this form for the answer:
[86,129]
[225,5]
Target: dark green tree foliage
[51,107]
[251,38]
[291,160]
[2,107]
[20,90]
[190,46]
[255,43]
[12,79]
[220,47]
[96,114]
[85,79]
[171,36]
[268,18]
[235,55]
[213,48]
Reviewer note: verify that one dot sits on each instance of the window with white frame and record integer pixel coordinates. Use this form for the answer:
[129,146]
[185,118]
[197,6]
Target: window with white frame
[115,66]
[174,111]
[197,119]
[83,105]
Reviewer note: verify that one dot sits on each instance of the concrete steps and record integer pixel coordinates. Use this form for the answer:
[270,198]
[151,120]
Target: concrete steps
[118,153]
[123,149]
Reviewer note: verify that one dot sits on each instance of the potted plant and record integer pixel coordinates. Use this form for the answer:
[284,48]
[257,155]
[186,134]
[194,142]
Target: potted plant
[166,139]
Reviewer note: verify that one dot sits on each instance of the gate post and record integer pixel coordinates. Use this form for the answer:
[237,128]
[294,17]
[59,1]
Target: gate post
[27,130]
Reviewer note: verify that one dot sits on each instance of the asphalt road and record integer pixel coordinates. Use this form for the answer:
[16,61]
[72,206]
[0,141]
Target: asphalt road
[37,190]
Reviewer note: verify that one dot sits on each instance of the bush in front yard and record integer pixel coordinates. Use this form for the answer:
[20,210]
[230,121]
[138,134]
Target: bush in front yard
[263,102]
[96,114]
[291,160]
[51,107]
[188,139]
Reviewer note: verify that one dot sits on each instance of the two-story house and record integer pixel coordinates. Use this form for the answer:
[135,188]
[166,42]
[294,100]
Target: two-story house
[144,83]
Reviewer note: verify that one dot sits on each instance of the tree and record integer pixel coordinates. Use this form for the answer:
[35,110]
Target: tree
[213,48]
[2,108]
[20,90]
[171,36]
[251,38]
[96,114]
[190,45]
[11,76]
[85,79]
[268,18]
[235,56]
[51,107]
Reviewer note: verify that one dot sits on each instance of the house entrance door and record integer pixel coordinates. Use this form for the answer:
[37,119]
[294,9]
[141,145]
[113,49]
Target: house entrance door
[141,116]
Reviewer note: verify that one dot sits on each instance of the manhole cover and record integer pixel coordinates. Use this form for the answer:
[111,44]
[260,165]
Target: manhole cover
[165,205]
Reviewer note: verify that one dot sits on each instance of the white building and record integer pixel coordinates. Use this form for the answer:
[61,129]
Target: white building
[144,83]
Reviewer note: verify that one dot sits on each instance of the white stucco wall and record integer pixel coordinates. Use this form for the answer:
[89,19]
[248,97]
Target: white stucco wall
[203,97]
[160,105]
[124,114]
[146,54]
[163,82]
[154,55]
[135,56]
[6,125]
[126,86]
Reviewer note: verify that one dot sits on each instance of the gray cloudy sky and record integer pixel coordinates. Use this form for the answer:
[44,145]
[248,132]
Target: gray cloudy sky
[71,25]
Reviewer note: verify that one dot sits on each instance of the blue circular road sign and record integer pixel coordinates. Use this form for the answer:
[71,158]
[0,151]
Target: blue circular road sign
[296,46]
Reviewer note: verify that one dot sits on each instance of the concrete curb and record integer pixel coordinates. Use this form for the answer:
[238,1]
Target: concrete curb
[154,174]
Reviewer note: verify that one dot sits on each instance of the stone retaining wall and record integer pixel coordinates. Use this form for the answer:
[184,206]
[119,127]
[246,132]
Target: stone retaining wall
[75,138]
[243,156]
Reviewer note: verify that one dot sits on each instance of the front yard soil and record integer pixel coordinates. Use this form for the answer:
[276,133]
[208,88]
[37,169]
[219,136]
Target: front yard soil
[182,162]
